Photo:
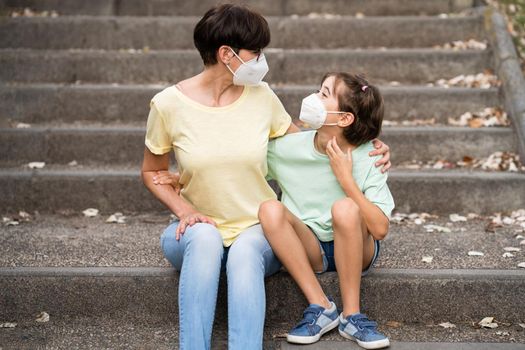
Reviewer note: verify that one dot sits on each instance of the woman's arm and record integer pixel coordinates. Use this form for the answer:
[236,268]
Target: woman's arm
[187,215]
[341,163]
[292,129]
[381,148]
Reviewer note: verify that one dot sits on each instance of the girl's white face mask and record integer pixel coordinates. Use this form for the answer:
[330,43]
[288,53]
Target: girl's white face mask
[251,72]
[313,112]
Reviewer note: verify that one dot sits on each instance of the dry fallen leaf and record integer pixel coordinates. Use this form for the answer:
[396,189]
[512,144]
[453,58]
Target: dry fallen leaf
[23,126]
[117,218]
[42,317]
[475,253]
[487,117]
[394,324]
[487,322]
[459,45]
[10,222]
[433,228]
[427,259]
[8,325]
[457,218]
[484,80]
[90,212]
[36,165]
[447,325]
[511,249]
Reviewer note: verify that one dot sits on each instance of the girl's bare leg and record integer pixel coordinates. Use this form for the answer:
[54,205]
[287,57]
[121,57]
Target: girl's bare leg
[353,250]
[296,247]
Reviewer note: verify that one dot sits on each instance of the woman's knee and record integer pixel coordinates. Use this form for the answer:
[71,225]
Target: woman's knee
[200,239]
[346,211]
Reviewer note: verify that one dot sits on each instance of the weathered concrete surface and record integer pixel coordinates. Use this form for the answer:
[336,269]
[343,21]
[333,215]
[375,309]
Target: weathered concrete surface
[72,240]
[88,333]
[158,33]
[124,144]
[509,71]
[112,189]
[107,103]
[287,66]
[266,7]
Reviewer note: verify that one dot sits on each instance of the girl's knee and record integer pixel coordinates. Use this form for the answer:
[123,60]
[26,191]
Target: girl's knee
[345,211]
[271,210]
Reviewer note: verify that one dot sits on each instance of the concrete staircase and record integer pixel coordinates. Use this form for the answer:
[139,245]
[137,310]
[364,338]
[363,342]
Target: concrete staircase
[83,81]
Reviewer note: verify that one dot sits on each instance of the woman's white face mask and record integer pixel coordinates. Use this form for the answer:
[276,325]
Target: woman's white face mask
[314,113]
[251,72]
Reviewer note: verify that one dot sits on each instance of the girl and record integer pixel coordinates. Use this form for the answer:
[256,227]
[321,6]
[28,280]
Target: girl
[335,205]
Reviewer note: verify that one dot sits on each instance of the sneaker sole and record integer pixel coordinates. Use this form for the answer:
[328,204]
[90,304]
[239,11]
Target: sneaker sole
[378,344]
[295,339]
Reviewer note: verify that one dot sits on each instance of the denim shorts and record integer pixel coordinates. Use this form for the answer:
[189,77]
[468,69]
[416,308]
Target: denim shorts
[327,250]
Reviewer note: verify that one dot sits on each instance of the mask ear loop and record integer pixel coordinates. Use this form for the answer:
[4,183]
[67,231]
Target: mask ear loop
[240,59]
[334,112]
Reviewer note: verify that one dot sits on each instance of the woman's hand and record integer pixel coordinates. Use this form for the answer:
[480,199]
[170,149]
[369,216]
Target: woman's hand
[383,149]
[340,161]
[189,219]
[164,177]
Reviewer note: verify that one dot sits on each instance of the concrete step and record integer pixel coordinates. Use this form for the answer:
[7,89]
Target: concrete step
[113,33]
[114,144]
[287,66]
[148,295]
[101,333]
[267,7]
[46,103]
[71,240]
[110,189]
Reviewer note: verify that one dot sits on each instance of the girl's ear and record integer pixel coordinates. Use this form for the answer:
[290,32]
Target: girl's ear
[224,54]
[346,119]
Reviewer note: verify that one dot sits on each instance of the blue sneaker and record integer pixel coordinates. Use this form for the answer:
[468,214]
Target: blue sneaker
[316,321]
[359,328]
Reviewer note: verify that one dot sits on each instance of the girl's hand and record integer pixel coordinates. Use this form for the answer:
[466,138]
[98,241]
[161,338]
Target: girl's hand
[189,219]
[340,161]
[383,149]
[164,177]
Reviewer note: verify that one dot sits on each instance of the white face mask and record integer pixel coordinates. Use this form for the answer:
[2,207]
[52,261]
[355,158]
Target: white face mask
[314,113]
[251,72]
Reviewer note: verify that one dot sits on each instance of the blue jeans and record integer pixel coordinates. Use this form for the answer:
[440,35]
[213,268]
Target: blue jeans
[200,256]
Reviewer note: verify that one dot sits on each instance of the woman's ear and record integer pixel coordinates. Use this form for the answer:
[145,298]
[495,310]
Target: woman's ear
[346,119]
[224,54]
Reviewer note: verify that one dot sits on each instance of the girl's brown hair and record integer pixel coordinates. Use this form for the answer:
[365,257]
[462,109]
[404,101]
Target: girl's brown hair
[364,101]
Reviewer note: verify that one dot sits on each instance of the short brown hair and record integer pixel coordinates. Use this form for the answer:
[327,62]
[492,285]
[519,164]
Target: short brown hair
[364,101]
[234,25]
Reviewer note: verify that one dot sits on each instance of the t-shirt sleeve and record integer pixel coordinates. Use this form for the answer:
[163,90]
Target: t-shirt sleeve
[376,190]
[281,120]
[272,161]
[158,139]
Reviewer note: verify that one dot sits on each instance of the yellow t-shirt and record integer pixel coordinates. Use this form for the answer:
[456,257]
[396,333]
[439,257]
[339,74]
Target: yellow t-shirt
[220,151]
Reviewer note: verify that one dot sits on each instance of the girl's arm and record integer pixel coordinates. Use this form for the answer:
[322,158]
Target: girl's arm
[376,221]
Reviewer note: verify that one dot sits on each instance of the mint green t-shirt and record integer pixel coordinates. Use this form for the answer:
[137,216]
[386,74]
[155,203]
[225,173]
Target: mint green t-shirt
[310,188]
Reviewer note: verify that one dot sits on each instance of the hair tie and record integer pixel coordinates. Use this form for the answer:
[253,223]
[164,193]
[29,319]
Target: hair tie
[364,88]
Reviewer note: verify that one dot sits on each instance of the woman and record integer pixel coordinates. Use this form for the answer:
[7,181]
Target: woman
[218,123]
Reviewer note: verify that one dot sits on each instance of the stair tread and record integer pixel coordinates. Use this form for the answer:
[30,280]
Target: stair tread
[91,333]
[72,240]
